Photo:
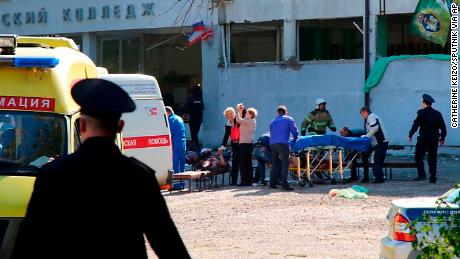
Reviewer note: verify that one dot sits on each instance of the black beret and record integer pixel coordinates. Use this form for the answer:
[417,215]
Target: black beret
[427,98]
[102,99]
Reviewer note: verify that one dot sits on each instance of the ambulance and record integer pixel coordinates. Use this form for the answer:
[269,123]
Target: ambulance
[146,135]
[38,117]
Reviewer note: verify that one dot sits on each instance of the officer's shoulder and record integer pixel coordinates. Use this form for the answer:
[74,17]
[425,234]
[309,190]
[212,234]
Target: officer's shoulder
[421,111]
[140,165]
[438,113]
[326,111]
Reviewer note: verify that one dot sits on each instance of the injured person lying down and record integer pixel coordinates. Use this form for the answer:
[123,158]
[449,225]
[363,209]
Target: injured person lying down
[206,160]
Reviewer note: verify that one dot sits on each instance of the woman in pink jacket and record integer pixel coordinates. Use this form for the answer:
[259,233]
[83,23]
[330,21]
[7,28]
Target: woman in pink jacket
[247,129]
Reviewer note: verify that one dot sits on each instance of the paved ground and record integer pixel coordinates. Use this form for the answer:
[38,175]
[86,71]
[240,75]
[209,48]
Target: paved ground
[248,222]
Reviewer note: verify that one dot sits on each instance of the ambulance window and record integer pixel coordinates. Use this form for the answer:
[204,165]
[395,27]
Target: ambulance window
[30,138]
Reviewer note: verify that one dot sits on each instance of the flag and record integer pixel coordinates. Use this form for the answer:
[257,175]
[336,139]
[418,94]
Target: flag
[199,33]
[432,21]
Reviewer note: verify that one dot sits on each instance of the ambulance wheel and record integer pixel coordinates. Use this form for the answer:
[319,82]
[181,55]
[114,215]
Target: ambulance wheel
[302,183]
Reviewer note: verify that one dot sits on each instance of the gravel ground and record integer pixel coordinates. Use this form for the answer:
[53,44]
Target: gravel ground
[257,222]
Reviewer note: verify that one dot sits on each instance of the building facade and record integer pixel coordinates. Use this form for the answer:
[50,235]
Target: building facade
[263,53]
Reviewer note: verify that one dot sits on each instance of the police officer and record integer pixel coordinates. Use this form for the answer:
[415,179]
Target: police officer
[195,107]
[97,203]
[177,129]
[318,120]
[430,122]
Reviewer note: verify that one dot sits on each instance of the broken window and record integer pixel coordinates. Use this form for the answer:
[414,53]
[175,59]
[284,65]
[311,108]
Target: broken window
[330,39]
[175,66]
[256,42]
[394,38]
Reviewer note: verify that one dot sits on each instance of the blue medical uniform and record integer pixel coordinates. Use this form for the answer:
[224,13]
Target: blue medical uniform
[177,128]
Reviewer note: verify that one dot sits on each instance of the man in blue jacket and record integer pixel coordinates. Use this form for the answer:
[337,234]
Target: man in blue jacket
[280,130]
[177,128]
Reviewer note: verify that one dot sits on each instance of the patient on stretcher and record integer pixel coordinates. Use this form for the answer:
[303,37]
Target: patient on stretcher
[208,161]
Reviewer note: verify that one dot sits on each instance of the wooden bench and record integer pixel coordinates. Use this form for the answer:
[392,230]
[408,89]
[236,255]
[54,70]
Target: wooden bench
[392,164]
[189,176]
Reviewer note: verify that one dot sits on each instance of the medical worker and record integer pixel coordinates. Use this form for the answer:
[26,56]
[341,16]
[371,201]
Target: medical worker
[177,128]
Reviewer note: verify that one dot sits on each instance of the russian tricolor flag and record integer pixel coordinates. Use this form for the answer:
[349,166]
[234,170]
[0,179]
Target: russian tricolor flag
[199,33]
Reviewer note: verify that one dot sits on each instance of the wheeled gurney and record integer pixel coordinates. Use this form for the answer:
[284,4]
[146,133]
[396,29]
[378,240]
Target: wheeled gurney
[322,147]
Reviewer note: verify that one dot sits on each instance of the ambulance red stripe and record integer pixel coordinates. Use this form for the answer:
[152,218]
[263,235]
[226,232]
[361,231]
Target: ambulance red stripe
[27,103]
[146,142]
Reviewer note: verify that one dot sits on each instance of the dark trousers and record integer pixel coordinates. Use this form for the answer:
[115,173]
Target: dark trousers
[280,162]
[421,149]
[246,163]
[354,165]
[260,171]
[380,151]
[194,130]
[260,174]
[235,162]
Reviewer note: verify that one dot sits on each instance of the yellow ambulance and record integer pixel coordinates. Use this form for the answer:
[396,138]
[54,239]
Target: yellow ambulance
[38,117]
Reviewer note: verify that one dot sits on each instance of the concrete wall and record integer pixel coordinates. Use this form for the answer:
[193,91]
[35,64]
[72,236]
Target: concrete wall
[267,86]
[398,96]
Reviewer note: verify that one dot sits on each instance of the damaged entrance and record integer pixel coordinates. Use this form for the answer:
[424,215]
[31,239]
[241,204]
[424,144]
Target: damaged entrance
[164,54]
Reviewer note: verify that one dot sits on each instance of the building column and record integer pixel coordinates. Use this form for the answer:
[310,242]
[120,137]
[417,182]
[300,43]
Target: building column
[373,31]
[213,122]
[289,39]
[89,43]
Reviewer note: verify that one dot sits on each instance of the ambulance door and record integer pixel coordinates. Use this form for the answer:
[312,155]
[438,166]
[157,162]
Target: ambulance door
[75,137]
[146,136]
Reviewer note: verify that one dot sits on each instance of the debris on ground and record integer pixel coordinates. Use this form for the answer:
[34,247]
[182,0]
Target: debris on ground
[354,193]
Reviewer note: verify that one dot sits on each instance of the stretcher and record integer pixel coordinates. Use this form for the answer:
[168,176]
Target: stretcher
[318,148]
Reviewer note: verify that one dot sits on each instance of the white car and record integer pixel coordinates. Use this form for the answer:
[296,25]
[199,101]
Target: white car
[398,243]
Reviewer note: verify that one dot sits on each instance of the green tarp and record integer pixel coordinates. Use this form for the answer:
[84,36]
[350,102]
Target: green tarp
[378,70]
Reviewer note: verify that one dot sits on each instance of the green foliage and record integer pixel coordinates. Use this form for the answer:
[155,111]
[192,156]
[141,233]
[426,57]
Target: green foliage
[439,237]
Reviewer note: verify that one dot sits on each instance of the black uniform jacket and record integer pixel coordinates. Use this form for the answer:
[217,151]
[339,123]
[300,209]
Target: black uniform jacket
[430,122]
[97,203]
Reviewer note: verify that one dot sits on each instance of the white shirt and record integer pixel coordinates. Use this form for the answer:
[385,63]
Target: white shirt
[375,129]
